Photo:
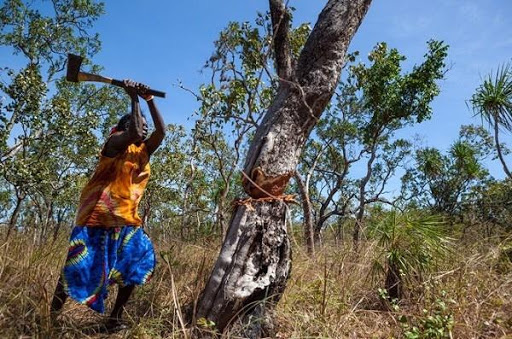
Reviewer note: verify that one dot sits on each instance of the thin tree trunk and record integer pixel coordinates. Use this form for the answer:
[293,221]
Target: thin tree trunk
[58,225]
[498,148]
[340,231]
[146,208]
[393,282]
[184,216]
[47,221]
[358,226]
[185,223]
[323,214]
[14,216]
[317,233]
[254,263]
[221,213]
[308,220]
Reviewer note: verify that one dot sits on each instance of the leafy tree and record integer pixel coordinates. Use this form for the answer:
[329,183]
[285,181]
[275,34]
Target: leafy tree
[492,206]
[391,100]
[164,191]
[179,195]
[443,182]
[45,40]
[373,102]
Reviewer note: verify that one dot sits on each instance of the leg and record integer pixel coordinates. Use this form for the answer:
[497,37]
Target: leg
[59,298]
[122,297]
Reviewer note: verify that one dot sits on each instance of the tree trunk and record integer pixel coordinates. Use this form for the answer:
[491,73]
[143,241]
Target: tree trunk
[185,224]
[358,226]
[58,225]
[14,216]
[317,234]
[358,229]
[340,231]
[308,219]
[221,213]
[146,209]
[185,219]
[47,221]
[252,268]
[254,262]
[498,148]
[393,283]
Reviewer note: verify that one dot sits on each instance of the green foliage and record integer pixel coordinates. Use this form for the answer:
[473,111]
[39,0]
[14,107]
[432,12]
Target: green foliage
[178,191]
[393,99]
[409,245]
[163,195]
[492,203]
[493,98]
[298,37]
[444,182]
[239,91]
[205,323]
[436,323]
[372,103]
[46,39]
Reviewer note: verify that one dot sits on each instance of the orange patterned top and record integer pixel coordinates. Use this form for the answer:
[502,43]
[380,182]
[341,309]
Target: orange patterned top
[111,197]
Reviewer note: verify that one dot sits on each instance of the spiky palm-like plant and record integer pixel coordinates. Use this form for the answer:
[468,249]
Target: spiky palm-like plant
[493,102]
[410,244]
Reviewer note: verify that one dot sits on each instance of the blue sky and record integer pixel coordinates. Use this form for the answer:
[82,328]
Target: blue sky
[164,42]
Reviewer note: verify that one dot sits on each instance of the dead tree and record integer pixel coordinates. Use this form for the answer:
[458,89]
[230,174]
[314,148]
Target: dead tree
[254,264]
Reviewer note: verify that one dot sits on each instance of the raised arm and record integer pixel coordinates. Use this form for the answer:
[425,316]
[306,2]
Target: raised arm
[120,140]
[155,139]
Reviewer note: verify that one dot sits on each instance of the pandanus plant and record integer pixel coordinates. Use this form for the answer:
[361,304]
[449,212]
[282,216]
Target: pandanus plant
[410,244]
[492,101]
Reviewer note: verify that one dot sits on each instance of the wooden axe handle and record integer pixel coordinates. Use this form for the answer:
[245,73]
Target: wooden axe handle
[82,76]
[150,91]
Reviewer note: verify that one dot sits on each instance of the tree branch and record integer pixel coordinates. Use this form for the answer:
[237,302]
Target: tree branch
[323,54]
[280,27]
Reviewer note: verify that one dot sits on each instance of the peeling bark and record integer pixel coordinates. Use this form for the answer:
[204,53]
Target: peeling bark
[253,266]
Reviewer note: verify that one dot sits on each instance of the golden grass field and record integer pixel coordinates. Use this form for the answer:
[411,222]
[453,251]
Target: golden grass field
[331,296]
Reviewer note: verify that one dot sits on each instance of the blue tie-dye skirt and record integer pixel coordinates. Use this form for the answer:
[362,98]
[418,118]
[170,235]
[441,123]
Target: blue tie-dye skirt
[99,257]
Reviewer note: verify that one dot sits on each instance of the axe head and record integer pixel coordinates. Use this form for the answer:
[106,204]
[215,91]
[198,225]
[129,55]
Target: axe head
[74,63]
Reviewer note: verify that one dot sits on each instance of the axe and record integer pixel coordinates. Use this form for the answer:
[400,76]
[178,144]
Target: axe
[73,74]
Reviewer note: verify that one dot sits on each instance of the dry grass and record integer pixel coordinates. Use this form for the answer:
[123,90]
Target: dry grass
[330,296]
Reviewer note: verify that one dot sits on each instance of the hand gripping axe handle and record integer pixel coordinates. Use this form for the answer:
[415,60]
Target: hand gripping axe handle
[73,74]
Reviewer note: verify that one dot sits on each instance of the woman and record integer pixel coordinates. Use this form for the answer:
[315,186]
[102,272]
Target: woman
[108,244]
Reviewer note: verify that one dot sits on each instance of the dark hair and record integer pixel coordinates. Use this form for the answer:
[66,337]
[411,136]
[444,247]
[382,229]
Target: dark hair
[124,122]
